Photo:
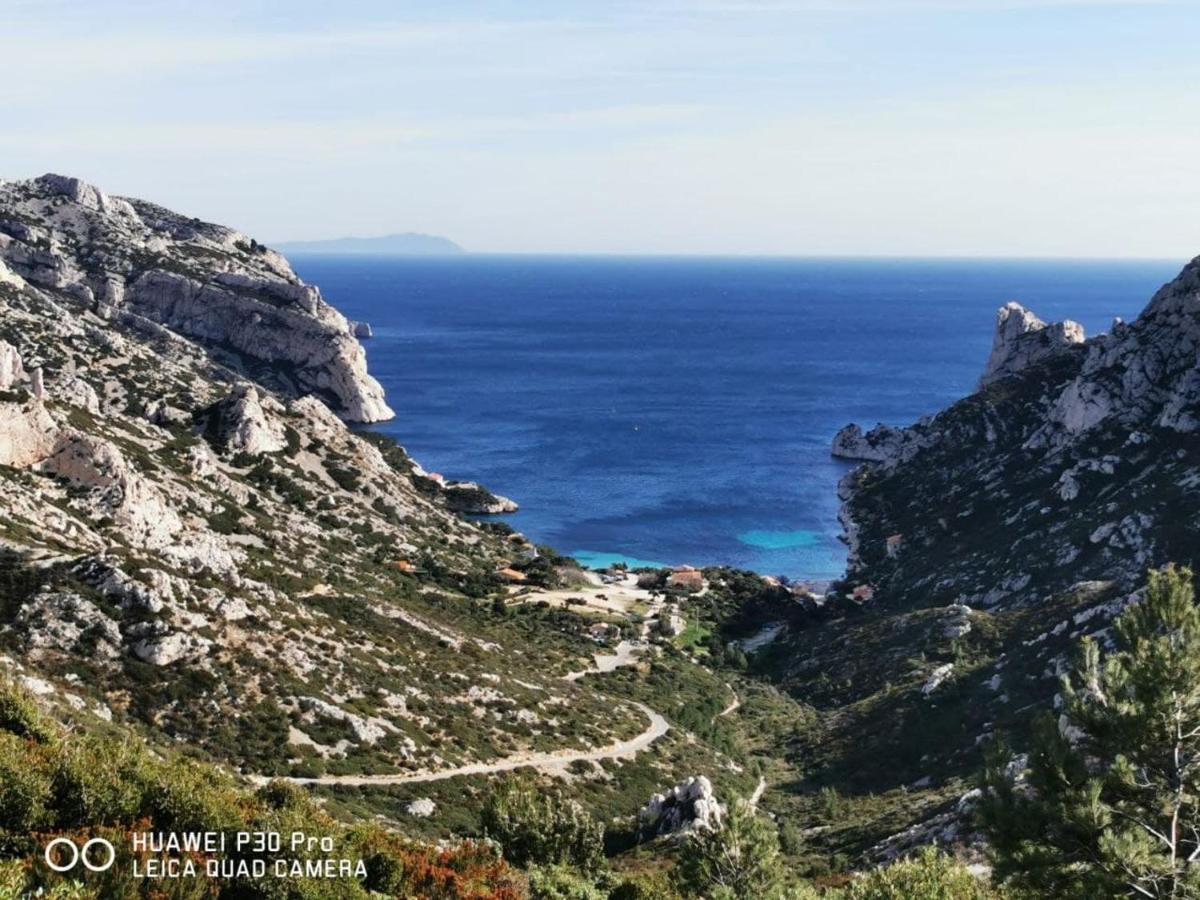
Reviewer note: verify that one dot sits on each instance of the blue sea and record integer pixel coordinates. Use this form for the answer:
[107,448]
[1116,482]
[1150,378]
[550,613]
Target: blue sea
[679,410]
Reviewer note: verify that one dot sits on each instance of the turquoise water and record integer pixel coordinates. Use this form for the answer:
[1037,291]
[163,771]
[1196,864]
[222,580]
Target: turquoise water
[598,560]
[680,410]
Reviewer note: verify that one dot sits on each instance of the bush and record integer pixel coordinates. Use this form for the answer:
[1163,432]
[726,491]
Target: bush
[540,829]
[53,783]
[929,875]
[25,793]
[562,883]
[19,715]
[469,871]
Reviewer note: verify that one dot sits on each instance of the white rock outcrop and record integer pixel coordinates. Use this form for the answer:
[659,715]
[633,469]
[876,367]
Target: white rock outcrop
[77,392]
[1022,339]
[11,369]
[245,425]
[421,808]
[688,806]
[133,501]
[937,678]
[162,650]
[28,434]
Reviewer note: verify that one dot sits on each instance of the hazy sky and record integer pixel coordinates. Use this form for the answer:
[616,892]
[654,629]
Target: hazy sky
[994,127]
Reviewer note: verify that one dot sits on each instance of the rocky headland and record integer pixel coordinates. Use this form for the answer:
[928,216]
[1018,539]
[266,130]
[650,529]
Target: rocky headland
[130,260]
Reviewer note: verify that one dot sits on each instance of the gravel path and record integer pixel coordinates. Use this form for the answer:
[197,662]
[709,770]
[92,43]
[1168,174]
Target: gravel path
[554,761]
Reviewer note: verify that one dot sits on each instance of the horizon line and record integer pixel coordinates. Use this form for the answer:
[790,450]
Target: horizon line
[601,254]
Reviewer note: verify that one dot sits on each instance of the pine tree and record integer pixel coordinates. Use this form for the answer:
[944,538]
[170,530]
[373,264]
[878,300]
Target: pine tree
[738,860]
[1110,806]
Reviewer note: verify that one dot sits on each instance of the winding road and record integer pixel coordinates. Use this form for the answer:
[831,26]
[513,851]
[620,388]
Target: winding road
[557,760]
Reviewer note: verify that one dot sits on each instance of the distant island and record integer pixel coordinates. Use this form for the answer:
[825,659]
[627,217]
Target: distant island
[408,244]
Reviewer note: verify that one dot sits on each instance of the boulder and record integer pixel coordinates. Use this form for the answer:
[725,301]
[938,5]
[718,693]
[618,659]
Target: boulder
[77,392]
[162,650]
[688,806]
[28,434]
[937,678]
[422,808]
[243,424]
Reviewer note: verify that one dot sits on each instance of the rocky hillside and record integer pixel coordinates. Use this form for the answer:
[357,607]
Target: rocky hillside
[1075,460]
[194,545]
[984,541]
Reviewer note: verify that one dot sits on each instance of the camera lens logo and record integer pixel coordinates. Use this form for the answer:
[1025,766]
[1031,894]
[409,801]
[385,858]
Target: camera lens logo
[72,855]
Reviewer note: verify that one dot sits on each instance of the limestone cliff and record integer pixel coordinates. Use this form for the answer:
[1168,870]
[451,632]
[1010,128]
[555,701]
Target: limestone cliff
[129,258]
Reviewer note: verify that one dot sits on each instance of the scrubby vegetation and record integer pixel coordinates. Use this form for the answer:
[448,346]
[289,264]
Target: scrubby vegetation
[54,783]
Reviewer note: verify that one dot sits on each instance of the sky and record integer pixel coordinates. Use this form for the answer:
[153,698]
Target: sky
[777,127]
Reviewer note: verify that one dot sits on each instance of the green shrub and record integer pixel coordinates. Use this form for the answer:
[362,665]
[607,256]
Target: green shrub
[538,829]
[19,715]
[25,788]
[98,781]
[929,875]
[562,883]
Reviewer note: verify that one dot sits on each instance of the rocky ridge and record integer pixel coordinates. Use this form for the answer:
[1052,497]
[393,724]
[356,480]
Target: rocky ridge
[1022,340]
[194,543]
[126,258]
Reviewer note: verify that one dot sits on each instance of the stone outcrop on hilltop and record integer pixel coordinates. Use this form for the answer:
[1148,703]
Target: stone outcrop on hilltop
[1022,340]
[129,258]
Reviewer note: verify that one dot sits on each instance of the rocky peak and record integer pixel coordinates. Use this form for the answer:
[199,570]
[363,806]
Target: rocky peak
[78,191]
[1022,339]
[136,262]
